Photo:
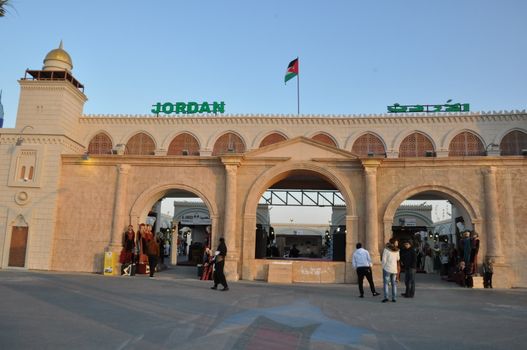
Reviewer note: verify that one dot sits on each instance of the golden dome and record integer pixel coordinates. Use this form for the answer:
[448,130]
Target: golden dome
[60,55]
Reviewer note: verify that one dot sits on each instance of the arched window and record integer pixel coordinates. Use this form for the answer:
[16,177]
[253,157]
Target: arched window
[228,143]
[22,172]
[466,144]
[368,144]
[415,145]
[325,139]
[31,170]
[100,144]
[184,144]
[513,143]
[140,144]
[272,138]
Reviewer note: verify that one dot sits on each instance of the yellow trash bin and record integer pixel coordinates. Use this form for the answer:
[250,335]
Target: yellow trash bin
[111,260]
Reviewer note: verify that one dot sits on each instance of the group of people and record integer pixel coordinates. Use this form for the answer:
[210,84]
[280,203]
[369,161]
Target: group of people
[393,259]
[140,248]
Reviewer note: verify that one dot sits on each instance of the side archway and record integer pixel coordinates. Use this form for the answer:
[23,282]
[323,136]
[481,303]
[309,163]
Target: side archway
[147,198]
[452,195]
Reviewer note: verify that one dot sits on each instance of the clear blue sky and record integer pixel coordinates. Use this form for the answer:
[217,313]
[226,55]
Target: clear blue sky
[355,56]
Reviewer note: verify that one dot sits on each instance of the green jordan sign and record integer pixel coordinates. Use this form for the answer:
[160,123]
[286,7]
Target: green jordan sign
[448,107]
[188,108]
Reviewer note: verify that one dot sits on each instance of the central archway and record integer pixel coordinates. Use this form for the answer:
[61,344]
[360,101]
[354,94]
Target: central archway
[253,268]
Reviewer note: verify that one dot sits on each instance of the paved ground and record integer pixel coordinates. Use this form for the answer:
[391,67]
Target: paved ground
[43,310]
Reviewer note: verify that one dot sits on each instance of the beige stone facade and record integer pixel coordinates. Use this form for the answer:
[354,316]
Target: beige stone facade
[76,209]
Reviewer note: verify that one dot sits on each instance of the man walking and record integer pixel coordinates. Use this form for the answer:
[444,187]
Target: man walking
[390,268]
[219,264]
[409,262]
[362,262]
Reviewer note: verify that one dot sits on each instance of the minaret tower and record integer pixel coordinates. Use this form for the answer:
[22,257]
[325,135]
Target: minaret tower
[51,99]
[47,126]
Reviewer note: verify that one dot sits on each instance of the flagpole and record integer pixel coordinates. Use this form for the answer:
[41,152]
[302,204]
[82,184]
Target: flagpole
[298,87]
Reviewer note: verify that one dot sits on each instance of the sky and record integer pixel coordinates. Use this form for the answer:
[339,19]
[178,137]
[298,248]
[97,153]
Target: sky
[355,56]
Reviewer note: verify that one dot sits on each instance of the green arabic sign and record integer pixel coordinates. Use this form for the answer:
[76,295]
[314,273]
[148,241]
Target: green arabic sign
[188,107]
[448,107]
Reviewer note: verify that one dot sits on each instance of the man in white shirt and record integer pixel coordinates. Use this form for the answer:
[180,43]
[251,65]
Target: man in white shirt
[390,268]
[362,262]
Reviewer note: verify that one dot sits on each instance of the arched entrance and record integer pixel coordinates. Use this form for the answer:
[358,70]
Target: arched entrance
[311,265]
[193,222]
[439,240]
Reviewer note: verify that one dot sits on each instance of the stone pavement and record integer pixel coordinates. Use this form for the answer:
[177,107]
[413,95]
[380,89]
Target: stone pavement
[48,310]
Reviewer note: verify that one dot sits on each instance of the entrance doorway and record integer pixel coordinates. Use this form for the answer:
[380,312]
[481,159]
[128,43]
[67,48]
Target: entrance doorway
[183,226]
[434,223]
[301,217]
[18,247]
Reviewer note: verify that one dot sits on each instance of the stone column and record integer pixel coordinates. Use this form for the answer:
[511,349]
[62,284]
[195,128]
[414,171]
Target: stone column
[352,237]
[229,224]
[230,207]
[249,244]
[493,226]
[119,208]
[387,232]
[372,224]
[174,247]
[214,231]
[157,224]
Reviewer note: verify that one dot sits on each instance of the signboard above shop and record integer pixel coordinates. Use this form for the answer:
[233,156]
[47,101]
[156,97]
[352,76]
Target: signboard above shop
[188,108]
[447,107]
[196,218]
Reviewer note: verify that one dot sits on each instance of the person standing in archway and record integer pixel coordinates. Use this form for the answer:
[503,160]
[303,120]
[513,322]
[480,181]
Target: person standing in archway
[219,264]
[127,253]
[361,261]
[474,250]
[390,268]
[151,249]
[409,262]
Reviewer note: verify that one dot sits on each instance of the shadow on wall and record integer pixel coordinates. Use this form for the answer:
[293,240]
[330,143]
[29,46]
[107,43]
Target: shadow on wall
[98,263]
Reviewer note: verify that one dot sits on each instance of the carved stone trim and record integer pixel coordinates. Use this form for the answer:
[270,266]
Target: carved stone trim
[22,198]
[266,119]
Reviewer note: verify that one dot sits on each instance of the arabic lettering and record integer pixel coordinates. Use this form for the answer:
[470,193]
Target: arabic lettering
[447,107]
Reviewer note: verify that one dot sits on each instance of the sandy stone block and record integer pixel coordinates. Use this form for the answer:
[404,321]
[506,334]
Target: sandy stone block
[478,282]
[280,272]
[307,272]
[261,271]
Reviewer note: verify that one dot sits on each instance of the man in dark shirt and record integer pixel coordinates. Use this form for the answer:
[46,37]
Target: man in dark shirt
[219,264]
[409,262]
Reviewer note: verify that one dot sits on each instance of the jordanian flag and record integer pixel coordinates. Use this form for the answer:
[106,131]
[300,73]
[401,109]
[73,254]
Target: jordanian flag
[292,70]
